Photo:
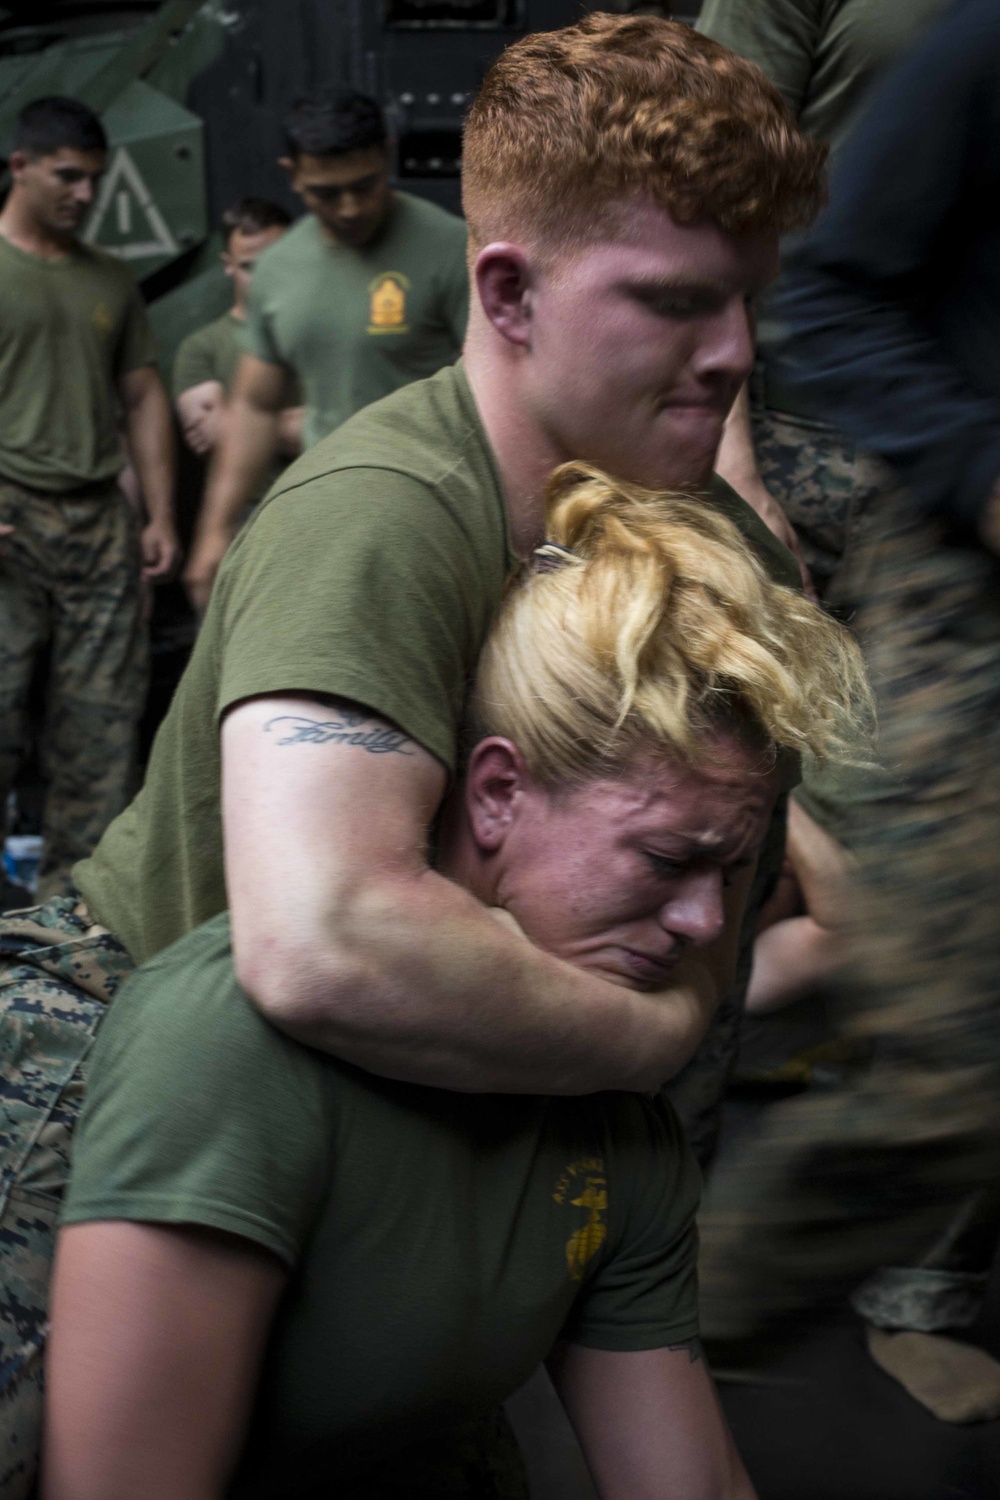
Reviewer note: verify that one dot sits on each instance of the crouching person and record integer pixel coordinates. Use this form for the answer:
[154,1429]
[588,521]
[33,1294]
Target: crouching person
[280,1275]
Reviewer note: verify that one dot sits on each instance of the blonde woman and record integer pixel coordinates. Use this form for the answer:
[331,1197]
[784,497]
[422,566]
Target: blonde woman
[282,1276]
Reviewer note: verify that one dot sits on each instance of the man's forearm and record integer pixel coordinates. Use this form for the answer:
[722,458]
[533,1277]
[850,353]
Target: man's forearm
[151,447]
[417,981]
[250,436]
[736,460]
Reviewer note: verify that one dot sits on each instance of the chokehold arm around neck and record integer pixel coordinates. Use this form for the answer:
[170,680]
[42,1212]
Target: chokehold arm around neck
[347,940]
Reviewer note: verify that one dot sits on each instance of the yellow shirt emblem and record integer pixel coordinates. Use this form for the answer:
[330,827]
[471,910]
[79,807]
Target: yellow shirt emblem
[387,313]
[103,319]
[584,1243]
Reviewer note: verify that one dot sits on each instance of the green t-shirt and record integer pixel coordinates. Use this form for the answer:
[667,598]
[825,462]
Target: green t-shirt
[70,329]
[823,55]
[439,1244]
[210,353]
[371,572]
[354,325]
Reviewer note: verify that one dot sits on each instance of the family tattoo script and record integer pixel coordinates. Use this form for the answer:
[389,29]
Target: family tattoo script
[345,730]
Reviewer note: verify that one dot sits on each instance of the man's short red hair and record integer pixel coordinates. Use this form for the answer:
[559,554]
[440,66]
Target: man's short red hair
[568,123]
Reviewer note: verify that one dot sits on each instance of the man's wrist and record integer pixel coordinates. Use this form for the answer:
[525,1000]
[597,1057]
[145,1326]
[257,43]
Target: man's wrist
[661,1031]
[162,517]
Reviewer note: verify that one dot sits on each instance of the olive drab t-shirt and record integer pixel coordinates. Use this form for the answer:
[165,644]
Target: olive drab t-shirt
[353,325]
[823,55]
[69,330]
[371,572]
[210,353]
[439,1244]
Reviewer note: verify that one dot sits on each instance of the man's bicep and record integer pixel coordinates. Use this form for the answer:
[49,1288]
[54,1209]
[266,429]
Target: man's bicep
[317,794]
[649,1422]
[136,384]
[260,383]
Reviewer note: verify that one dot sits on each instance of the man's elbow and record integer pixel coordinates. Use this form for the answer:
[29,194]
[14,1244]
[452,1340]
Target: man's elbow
[304,989]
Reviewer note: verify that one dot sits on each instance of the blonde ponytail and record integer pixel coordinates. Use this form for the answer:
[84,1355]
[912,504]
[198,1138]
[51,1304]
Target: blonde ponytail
[660,626]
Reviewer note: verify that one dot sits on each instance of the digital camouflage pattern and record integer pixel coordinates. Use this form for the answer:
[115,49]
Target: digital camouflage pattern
[849,1181]
[58,970]
[825,486]
[70,587]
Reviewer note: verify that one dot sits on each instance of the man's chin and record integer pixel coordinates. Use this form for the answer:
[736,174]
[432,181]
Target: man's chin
[674,471]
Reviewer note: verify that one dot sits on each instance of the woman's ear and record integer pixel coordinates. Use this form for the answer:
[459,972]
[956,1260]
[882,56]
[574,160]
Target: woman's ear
[496,778]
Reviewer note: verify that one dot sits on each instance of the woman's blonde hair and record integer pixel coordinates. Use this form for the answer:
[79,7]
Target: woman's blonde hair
[655,628]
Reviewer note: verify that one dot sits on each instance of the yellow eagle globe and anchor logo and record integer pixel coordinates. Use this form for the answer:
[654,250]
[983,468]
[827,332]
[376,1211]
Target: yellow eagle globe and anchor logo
[387,308]
[103,319]
[584,1184]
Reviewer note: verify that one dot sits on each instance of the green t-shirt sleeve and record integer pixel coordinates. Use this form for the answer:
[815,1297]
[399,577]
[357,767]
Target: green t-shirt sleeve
[644,1294]
[198,1111]
[780,36]
[385,597]
[136,344]
[194,363]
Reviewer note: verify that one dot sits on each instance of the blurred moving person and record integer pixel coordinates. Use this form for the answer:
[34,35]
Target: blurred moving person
[206,361]
[367,292]
[893,314]
[77,362]
[781,450]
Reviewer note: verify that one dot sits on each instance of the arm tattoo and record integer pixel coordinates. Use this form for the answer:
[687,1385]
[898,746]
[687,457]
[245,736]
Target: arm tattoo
[693,1347]
[346,729]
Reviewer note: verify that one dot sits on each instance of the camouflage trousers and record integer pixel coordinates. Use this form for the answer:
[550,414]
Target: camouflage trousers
[826,487]
[70,598]
[58,972]
[845,1182]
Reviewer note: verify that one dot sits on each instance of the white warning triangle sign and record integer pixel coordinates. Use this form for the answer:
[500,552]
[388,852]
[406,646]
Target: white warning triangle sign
[125,219]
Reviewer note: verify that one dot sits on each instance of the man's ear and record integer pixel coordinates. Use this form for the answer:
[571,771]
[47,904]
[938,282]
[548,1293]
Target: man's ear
[288,164]
[495,779]
[17,161]
[504,282]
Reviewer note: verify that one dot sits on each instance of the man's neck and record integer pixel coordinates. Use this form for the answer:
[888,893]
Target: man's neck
[19,227]
[372,240]
[238,311]
[524,454]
